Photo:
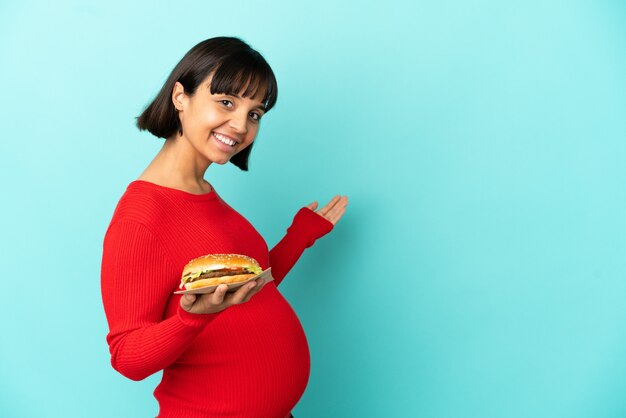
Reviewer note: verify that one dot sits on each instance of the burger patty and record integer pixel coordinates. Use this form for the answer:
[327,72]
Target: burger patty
[219,273]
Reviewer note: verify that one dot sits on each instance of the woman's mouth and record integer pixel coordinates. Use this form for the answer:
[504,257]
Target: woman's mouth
[225,143]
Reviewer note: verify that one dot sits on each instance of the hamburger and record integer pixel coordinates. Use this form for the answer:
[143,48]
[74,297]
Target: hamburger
[215,269]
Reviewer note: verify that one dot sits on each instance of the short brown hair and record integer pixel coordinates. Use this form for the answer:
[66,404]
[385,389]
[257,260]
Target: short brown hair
[233,65]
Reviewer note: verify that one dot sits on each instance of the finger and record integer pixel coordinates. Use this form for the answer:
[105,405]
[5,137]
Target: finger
[339,202]
[242,292]
[337,210]
[334,218]
[217,298]
[259,285]
[337,213]
[187,301]
[329,205]
[312,206]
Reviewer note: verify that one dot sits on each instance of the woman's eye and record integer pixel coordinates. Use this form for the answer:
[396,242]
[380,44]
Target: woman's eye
[255,116]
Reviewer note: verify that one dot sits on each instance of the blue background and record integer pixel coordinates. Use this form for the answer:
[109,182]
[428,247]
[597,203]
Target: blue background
[479,270]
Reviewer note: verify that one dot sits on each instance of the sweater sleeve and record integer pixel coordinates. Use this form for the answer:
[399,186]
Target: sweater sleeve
[136,284]
[306,228]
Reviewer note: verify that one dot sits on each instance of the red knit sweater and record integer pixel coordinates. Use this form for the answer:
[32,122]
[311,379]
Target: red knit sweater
[249,360]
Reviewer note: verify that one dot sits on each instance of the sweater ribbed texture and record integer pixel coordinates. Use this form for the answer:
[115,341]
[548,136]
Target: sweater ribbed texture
[249,360]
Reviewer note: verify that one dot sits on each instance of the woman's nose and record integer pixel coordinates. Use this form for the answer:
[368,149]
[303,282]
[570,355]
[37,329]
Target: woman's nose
[239,123]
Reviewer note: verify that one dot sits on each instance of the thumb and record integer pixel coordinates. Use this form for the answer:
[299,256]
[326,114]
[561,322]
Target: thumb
[312,206]
[187,301]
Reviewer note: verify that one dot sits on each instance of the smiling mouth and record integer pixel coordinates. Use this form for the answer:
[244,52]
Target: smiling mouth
[225,140]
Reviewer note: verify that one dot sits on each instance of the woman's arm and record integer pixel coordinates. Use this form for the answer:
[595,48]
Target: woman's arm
[136,282]
[306,228]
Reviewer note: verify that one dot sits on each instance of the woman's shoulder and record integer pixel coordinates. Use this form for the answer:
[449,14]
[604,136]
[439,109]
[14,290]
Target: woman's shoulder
[140,203]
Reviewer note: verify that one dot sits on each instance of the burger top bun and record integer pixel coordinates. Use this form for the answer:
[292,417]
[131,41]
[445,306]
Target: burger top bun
[219,261]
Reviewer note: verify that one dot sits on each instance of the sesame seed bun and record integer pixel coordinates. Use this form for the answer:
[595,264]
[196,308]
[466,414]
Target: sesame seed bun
[214,269]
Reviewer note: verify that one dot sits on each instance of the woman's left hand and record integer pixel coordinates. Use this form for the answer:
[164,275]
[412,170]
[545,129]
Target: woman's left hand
[334,210]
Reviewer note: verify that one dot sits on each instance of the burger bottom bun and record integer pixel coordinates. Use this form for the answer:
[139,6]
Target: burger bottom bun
[218,280]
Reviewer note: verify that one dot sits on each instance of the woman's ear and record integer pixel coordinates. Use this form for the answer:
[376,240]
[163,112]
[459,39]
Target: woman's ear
[178,96]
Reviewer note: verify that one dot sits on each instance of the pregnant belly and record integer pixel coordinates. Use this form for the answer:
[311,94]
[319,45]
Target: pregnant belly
[252,360]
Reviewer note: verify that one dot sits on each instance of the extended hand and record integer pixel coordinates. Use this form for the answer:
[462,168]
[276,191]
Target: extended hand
[334,210]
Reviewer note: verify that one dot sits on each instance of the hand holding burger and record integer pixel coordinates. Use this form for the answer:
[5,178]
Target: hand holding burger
[219,300]
[219,269]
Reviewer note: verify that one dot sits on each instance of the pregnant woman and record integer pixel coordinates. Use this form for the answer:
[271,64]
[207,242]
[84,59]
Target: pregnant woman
[223,354]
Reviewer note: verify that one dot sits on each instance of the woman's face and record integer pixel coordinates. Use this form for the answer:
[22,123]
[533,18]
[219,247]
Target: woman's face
[218,126]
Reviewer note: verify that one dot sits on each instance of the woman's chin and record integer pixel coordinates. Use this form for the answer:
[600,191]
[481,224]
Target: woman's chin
[218,158]
[220,161]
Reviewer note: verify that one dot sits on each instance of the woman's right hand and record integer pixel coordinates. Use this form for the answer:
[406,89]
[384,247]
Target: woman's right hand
[219,300]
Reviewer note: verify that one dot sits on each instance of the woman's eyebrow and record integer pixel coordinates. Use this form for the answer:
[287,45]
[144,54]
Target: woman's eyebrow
[259,106]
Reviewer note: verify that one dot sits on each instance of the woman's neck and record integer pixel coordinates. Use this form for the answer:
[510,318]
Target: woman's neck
[177,166]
